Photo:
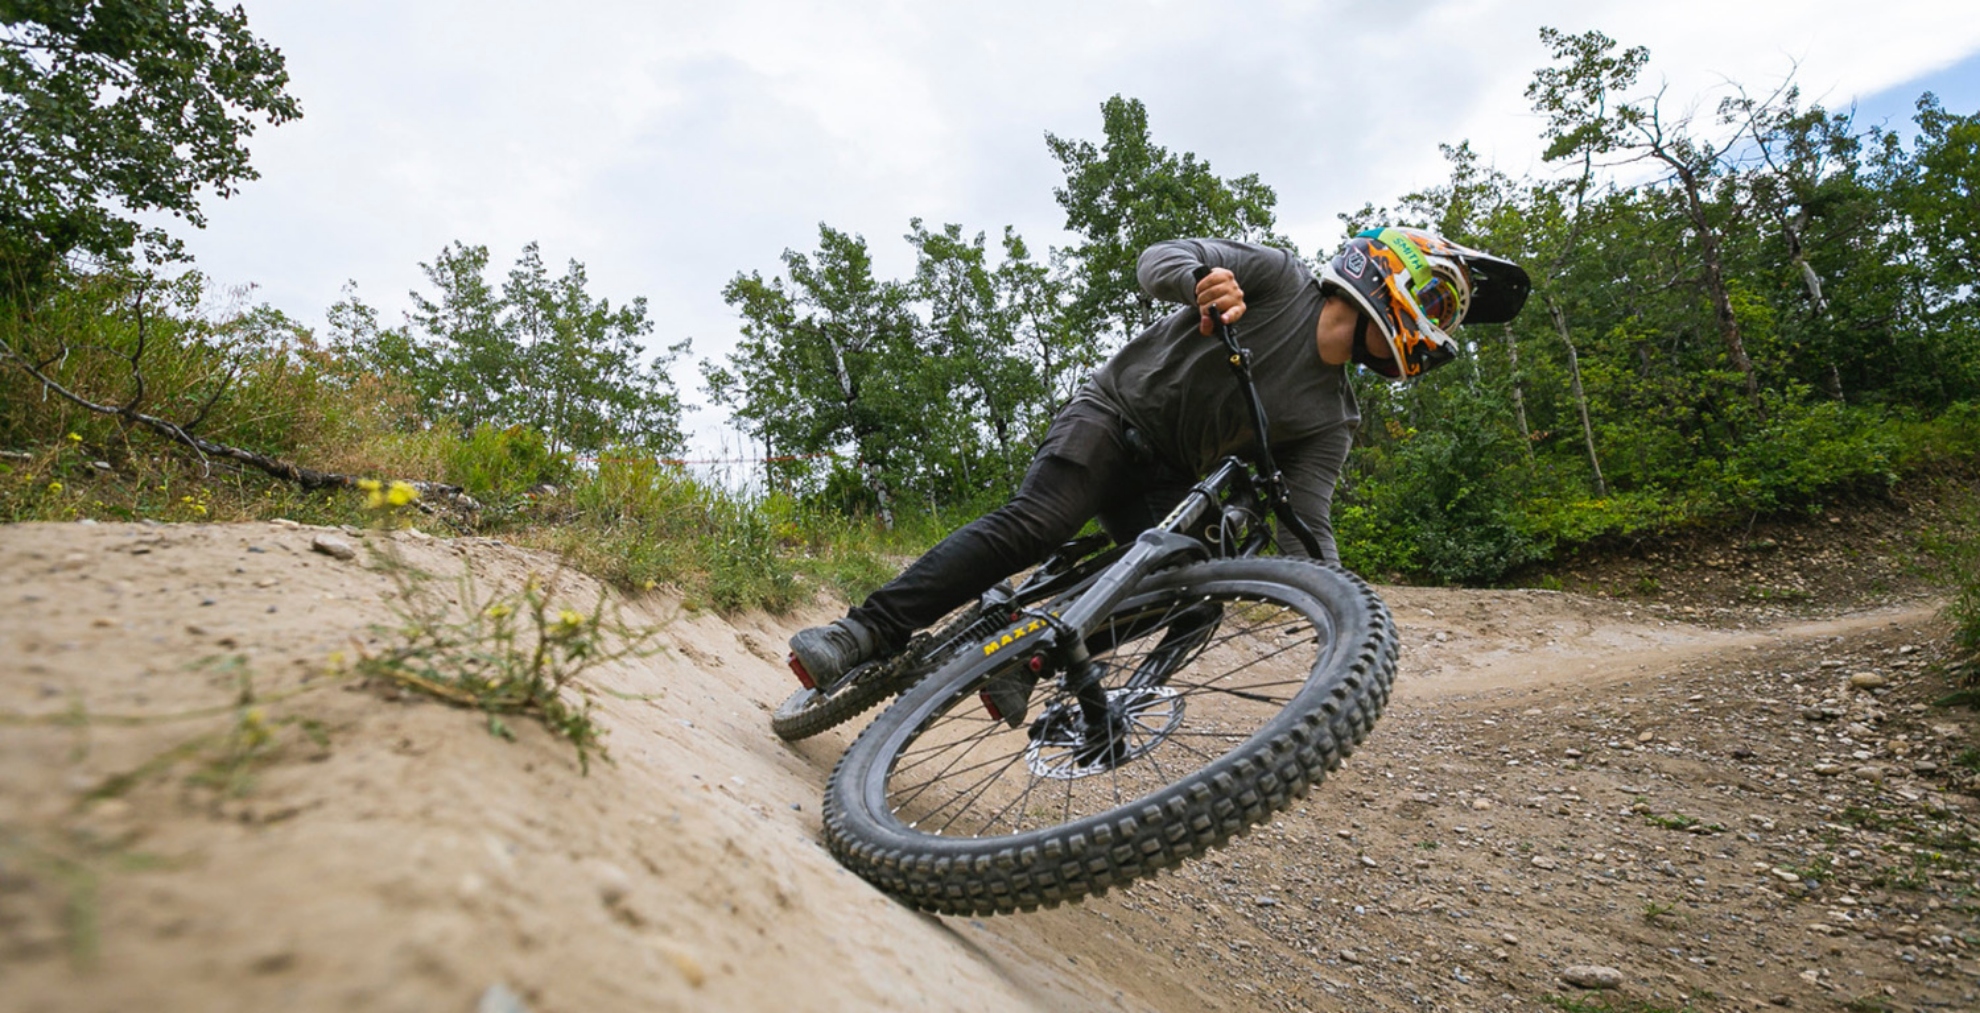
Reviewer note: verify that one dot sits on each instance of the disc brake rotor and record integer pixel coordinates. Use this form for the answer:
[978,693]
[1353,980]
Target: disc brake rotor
[1059,739]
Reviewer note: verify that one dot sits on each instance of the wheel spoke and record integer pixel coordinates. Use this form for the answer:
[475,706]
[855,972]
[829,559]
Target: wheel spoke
[1222,651]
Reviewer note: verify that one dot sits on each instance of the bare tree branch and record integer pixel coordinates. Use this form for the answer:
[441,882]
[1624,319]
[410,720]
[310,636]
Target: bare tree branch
[307,478]
[210,402]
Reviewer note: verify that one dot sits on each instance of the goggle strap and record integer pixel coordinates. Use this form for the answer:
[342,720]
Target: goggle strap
[1413,260]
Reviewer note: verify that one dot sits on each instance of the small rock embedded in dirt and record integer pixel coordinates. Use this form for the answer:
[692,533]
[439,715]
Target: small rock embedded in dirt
[498,999]
[1867,680]
[335,548]
[613,883]
[1592,977]
[1543,862]
[684,962]
[1351,957]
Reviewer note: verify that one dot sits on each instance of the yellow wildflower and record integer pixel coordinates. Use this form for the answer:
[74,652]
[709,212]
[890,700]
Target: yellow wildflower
[496,611]
[254,728]
[401,493]
[54,487]
[73,438]
[569,622]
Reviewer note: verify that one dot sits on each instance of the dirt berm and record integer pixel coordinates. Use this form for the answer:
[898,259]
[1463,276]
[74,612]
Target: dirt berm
[198,811]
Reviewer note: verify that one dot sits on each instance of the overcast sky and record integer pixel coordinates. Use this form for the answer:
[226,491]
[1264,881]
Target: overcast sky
[670,145]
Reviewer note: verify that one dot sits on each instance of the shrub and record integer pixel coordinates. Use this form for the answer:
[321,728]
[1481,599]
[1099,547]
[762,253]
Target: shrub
[499,465]
[1803,452]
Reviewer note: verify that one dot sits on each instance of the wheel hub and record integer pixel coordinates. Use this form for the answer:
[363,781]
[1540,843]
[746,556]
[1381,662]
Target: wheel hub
[1062,749]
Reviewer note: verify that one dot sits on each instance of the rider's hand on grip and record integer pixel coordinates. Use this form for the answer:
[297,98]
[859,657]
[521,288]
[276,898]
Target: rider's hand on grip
[1217,292]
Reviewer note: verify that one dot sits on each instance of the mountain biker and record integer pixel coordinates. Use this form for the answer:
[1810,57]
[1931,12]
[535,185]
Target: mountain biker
[1163,410]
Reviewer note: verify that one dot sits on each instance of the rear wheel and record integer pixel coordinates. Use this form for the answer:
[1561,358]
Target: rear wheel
[807,712]
[1223,691]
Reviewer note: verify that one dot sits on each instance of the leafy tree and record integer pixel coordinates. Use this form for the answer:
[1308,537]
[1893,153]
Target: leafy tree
[1129,193]
[1640,130]
[540,353]
[972,343]
[1936,192]
[1035,296]
[825,367]
[113,108]
[1943,193]
[578,360]
[480,362]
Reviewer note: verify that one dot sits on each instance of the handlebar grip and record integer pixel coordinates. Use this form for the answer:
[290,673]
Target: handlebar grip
[1218,328]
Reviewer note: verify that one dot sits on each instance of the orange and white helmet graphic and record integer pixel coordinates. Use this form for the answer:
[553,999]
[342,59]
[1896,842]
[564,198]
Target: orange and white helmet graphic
[1417,287]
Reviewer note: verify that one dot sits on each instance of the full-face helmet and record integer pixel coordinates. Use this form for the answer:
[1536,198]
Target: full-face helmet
[1416,287]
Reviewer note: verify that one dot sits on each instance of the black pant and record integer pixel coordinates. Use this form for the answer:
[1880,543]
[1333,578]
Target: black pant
[1086,468]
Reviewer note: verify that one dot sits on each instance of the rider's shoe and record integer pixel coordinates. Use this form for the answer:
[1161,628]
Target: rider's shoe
[822,655]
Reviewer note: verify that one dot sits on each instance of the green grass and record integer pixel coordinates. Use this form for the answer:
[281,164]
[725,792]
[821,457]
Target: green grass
[1679,821]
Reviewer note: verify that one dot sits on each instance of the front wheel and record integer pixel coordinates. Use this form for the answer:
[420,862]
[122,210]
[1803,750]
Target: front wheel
[1224,690]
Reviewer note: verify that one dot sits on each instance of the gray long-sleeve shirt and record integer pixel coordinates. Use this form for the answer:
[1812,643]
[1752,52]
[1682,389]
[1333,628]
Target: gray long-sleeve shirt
[1175,385]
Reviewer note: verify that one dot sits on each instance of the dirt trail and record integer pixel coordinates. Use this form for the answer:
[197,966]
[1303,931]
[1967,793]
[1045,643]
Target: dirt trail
[1560,781]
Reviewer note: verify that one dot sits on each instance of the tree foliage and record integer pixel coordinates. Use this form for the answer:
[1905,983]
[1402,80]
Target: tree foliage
[538,352]
[1730,316]
[1128,193]
[1753,308]
[1738,332]
[113,108]
[933,390]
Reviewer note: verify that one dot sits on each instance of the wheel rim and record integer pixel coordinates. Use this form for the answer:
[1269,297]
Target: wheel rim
[1189,692]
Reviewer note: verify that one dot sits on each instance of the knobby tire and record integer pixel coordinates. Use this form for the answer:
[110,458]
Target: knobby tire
[1245,682]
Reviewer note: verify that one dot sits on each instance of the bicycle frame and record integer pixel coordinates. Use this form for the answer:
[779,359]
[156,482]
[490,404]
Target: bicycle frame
[1063,646]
